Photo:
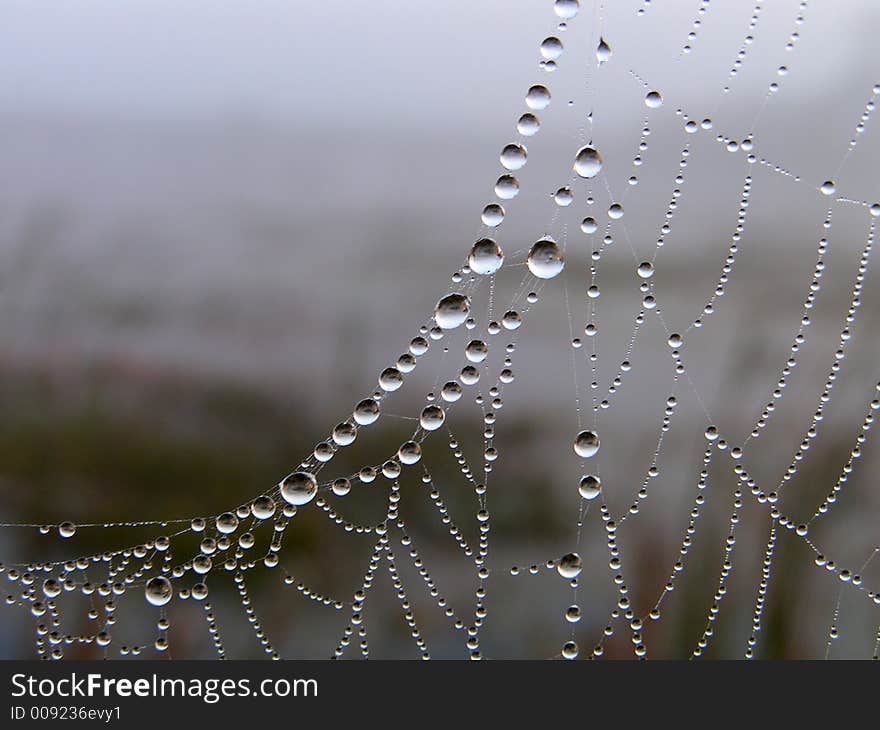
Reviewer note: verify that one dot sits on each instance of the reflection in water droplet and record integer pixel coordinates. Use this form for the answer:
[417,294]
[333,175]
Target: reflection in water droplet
[570,566]
[451,311]
[486,257]
[563,197]
[545,259]
[513,156]
[299,488]
[528,125]
[566,9]
[586,444]
[366,412]
[507,187]
[588,162]
[538,97]
[653,100]
[589,487]
[432,418]
[551,48]
[158,591]
[492,215]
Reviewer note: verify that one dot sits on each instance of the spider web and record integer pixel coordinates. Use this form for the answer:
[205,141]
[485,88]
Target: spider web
[590,306]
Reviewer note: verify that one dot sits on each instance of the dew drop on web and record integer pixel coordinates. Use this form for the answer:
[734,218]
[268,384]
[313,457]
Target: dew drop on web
[451,311]
[588,162]
[545,259]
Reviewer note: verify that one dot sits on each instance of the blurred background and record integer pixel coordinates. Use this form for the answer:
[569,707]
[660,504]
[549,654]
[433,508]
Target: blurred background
[220,220]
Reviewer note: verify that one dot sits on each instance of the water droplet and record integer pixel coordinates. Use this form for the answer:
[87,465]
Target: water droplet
[545,259]
[645,270]
[344,434]
[226,523]
[588,162]
[492,215]
[538,97]
[432,418]
[551,48]
[711,433]
[158,591]
[589,225]
[51,588]
[570,650]
[828,187]
[615,211]
[366,412]
[409,453]
[590,487]
[586,444]
[573,614]
[263,507]
[566,9]
[341,487]
[570,566]
[390,379]
[513,156]
[451,392]
[653,100]
[511,320]
[507,187]
[299,488]
[528,125]
[675,341]
[486,257]
[451,311]
[563,197]
[476,351]
[603,51]
[67,529]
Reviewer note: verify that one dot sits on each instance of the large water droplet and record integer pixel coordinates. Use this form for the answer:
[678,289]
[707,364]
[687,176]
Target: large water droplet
[590,487]
[486,257]
[538,97]
[653,100]
[299,488]
[513,156]
[263,507]
[507,187]
[226,523]
[344,434]
[828,187]
[492,215]
[570,566]
[476,351]
[451,311]
[409,453]
[588,162]
[432,418]
[551,48]
[586,444]
[158,591]
[390,379]
[366,412]
[566,9]
[545,259]
[528,125]
[645,270]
